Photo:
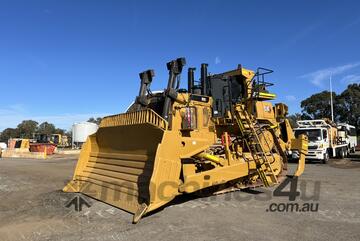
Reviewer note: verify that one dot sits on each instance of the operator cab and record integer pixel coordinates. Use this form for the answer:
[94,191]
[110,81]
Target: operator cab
[232,87]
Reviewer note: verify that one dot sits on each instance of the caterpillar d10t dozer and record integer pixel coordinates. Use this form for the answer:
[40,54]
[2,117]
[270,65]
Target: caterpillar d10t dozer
[221,134]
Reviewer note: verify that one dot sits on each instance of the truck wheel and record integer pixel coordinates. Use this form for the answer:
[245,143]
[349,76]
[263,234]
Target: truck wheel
[348,151]
[325,160]
[341,153]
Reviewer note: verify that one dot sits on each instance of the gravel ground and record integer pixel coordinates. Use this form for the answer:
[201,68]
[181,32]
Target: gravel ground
[32,207]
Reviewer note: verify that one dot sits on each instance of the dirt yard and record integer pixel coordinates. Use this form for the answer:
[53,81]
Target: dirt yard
[32,207]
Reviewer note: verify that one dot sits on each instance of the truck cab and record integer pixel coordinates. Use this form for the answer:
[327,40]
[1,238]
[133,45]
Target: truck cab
[318,142]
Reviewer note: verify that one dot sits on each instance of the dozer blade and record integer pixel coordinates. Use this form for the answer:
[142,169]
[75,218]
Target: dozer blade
[124,164]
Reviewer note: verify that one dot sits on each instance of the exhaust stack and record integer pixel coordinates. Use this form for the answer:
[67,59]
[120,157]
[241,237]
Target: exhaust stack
[203,79]
[191,80]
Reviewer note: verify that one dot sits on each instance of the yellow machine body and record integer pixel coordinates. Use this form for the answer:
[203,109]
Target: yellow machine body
[59,140]
[139,160]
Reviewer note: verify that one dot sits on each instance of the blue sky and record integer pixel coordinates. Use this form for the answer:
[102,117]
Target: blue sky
[64,61]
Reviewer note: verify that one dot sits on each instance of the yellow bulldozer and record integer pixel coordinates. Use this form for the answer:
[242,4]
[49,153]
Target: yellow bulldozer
[221,134]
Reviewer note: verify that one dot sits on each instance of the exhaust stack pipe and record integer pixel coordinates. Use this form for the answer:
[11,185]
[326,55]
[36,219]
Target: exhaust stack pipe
[146,79]
[203,79]
[175,68]
[191,80]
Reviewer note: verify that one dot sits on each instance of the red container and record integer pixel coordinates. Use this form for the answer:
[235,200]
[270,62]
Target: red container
[40,147]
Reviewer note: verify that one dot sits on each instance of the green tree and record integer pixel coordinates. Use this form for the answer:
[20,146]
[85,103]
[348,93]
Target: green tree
[9,133]
[317,106]
[349,103]
[59,131]
[95,120]
[293,118]
[46,128]
[346,106]
[26,128]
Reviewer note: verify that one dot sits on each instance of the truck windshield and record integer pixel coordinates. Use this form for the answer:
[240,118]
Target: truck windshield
[312,134]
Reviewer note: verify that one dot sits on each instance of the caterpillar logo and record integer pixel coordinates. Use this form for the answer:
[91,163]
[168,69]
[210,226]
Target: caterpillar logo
[267,108]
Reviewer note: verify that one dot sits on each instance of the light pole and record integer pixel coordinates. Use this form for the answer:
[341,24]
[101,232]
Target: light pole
[331,100]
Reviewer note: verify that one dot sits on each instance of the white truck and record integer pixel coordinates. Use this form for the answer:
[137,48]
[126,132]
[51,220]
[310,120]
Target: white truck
[348,133]
[324,139]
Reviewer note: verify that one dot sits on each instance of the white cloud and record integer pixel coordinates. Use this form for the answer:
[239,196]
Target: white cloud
[217,60]
[11,116]
[290,98]
[318,77]
[350,79]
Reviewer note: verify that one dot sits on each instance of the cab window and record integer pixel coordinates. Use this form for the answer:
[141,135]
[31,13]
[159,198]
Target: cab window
[324,134]
[352,131]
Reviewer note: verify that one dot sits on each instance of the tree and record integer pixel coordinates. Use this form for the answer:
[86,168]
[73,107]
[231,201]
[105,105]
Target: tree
[26,128]
[318,106]
[346,106]
[95,120]
[59,131]
[8,133]
[46,128]
[349,102]
[293,118]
